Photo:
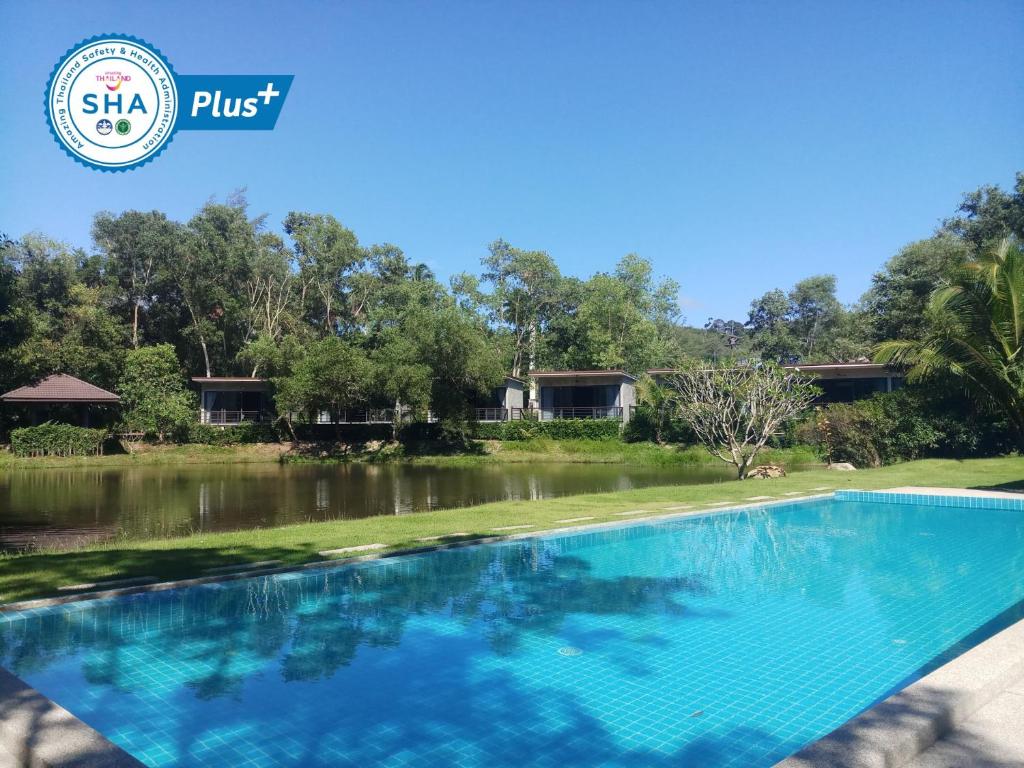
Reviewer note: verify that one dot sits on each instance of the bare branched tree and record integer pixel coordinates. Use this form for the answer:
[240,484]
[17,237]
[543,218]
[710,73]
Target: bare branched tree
[735,409]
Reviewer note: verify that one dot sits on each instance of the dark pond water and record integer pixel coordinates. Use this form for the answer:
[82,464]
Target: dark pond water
[64,506]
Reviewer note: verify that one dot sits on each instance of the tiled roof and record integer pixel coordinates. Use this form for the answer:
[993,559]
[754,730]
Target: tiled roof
[60,388]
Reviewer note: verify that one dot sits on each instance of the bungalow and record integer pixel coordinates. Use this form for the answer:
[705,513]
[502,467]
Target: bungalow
[230,400]
[61,395]
[846,382]
[506,402]
[839,382]
[583,394]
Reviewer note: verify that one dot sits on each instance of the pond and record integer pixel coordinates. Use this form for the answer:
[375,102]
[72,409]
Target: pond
[70,506]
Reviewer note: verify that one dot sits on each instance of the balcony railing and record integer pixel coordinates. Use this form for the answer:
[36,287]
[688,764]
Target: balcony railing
[226,418]
[549,414]
[581,412]
[492,414]
[358,416]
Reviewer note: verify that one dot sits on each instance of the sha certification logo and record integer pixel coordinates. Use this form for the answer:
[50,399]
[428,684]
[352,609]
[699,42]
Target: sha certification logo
[112,102]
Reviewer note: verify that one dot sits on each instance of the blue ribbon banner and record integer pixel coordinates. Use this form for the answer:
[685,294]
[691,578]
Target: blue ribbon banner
[230,102]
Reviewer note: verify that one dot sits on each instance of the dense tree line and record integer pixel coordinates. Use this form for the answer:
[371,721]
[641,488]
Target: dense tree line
[337,323]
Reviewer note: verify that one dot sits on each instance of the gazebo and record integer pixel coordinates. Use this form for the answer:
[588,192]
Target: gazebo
[60,391]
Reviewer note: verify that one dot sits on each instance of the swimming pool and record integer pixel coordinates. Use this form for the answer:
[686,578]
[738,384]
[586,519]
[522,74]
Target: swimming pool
[730,639]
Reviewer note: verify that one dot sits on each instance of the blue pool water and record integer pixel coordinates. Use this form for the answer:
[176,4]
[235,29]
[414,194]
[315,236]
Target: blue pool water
[726,640]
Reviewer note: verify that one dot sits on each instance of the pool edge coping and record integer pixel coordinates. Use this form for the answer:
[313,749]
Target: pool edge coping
[39,733]
[905,725]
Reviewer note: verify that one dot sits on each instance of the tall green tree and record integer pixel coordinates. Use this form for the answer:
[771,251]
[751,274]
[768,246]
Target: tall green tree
[211,270]
[988,215]
[153,393]
[525,285]
[894,306]
[464,368]
[809,324]
[333,375]
[138,249]
[327,253]
[975,332]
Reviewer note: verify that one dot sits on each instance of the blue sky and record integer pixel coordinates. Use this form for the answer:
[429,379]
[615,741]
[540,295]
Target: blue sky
[738,146]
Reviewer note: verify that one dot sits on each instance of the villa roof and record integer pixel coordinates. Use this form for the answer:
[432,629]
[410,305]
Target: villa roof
[615,373]
[60,388]
[860,368]
[229,379]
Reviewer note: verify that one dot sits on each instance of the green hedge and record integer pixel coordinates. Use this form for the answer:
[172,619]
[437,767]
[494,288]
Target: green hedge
[558,429]
[52,439]
[247,432]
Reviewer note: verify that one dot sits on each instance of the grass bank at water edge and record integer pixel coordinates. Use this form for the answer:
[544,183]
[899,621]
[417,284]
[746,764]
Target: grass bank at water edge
[480,452]
[40,574]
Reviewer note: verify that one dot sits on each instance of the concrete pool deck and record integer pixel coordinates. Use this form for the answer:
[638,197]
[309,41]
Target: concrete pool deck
[967,712]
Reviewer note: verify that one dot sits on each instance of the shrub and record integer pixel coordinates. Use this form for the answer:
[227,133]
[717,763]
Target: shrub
[52,439]
[558,429]
[911,423]
[643,427]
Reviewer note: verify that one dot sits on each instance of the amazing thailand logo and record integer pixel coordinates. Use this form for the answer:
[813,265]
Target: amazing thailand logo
[114,102]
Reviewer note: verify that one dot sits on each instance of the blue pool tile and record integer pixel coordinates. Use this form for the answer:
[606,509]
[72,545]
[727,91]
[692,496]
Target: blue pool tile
[724,640]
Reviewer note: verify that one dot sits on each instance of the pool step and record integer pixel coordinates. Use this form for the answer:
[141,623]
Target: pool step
[242,567]
[347,550]
[112,584]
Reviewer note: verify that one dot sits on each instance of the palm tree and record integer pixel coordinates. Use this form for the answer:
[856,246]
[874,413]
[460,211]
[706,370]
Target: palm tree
[976,332]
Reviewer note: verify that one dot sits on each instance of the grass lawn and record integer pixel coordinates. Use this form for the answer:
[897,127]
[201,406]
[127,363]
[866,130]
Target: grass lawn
[39,574]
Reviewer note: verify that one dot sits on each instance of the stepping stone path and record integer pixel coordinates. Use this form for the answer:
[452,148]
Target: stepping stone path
[513,527]
[758,498]
[822,488]
[112,584]
[347,550]
[444,536]
[574,519]
[242,566]
[633,512]
[795,493]
[677,509]
[719,503]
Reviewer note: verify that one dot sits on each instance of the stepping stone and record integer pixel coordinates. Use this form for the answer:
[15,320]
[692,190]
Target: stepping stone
[574,519]
[346,550]
[719,503]
[512,527]
[758,498]
[794,493]
[822,488]
[634,512]
[444,536]
[676,509]
[242,566]
[112,584]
